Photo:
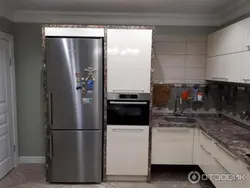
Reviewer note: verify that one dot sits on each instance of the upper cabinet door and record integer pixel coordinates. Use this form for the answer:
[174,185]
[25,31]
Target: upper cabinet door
[228,40]
[129,60]
[247,38]
[245,76]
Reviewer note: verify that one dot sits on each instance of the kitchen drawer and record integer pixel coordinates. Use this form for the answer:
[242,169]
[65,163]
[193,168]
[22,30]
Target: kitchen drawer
[172,146]
[127,150]
[228,160]
[222,171]
[206,141]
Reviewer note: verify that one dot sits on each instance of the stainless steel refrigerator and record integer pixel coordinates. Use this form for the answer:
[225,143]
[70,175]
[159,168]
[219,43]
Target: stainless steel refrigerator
[75,109]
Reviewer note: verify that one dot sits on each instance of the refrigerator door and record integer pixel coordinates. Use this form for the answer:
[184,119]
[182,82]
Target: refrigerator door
[67,62]
[76,156]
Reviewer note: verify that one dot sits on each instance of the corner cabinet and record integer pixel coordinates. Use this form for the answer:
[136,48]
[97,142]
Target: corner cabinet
[129,60]
[228,40]
[228,54]
[127,150]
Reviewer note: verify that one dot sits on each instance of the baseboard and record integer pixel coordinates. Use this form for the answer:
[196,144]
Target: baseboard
[31,159]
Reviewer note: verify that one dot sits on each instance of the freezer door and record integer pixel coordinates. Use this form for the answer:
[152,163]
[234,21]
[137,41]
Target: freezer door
[76,157]
[67,60]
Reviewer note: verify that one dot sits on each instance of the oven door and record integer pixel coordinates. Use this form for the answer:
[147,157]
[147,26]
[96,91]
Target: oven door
[127,112]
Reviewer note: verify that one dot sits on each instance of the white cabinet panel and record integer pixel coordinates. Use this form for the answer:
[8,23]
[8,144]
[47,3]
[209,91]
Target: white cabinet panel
[172,145]
[247,36]
[129,60]
[127,150]
[226,68]
[245,72]
[246,183]
[228,40]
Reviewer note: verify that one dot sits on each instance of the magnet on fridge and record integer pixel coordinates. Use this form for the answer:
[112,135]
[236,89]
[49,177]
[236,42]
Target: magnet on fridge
[78,80]
[86,100]
[77,74]
[90,85]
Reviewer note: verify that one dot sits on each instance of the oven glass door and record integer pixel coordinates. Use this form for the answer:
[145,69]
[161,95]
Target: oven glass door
[122,112]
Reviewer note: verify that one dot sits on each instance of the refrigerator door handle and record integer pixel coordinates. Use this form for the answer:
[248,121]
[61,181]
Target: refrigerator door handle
[50,110]
[51,146]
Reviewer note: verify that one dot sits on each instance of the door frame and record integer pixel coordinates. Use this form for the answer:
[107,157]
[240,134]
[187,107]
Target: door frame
[10,39]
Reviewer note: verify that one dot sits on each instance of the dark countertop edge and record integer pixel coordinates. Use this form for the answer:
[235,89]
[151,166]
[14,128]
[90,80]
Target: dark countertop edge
[200,125]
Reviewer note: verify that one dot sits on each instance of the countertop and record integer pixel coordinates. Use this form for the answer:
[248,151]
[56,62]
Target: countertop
[233,136]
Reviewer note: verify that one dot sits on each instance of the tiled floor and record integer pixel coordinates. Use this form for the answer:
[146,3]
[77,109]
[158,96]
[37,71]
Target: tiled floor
[32,176]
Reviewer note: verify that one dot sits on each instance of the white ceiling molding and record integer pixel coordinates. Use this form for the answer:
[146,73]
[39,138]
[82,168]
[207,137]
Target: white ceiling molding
[236,10]
[115,18]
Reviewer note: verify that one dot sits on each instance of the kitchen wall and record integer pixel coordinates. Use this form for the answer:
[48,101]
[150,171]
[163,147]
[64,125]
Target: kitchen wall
[180,57]
[6,25]
[236,102]
[30,102]
[180,54]
[30,116]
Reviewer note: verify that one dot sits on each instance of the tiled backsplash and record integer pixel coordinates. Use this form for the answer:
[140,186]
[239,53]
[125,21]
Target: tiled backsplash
[210,105]
[180,59]
[236,103]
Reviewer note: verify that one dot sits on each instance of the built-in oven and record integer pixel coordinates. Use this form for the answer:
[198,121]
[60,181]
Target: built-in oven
[128,109]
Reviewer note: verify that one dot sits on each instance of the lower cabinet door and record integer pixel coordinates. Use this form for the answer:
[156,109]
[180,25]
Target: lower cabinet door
[171,145]
[127,150]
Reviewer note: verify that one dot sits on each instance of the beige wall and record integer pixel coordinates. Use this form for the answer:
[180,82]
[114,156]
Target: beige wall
[30,114]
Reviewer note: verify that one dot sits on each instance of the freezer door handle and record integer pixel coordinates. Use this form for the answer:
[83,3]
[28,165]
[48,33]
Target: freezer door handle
[51,146]
[50,109]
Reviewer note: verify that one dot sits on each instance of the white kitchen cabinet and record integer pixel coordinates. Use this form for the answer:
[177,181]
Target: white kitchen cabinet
[247,35]
[246,183]
[226,68]
[129,60]
[228,40]
[127,150]
[171,145]
[245,76]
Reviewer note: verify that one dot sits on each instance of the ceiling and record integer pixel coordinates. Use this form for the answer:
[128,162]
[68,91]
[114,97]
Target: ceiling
[162,12]
[126,6]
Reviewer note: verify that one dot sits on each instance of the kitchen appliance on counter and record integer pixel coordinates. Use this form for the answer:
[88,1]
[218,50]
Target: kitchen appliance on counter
[128,109]
[75,109]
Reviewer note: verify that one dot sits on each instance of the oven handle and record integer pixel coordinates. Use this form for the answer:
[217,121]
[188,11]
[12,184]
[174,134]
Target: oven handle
[125,102]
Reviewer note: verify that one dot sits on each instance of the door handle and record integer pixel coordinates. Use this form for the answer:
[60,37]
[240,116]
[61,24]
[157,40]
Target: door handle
[51,146]
[217,161]
[50,109]
[125,90]
[219,78]
[246,80]
[206,135]
[127,129]
[126,102]
[209,153]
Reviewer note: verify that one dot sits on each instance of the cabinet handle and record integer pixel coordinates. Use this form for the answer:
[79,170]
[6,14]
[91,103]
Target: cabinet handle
[232,155]
[125,102]
[125,129]
[246,80]
[125,90]
[51,146]
[218,78]
[210,138]
[217,161]
[169,130]
[209,153]
[50,109]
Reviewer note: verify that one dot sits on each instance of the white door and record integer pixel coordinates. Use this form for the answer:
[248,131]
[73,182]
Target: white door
[6,132]
[129,60]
